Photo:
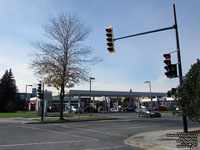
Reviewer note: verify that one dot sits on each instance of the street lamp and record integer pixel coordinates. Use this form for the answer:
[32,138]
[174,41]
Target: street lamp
[91,78]
[26,96]
[150,91]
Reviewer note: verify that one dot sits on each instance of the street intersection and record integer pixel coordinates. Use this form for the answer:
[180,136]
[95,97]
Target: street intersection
[88,135]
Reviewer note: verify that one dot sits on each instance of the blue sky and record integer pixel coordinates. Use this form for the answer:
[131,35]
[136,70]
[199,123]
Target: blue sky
[136,60]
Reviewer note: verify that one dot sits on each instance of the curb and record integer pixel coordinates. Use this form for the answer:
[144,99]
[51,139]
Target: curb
[67,121]
[143,145]
[157,142]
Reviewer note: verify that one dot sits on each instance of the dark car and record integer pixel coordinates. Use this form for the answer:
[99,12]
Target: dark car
[93,110]
[147,112]
[128,109]
[160,108]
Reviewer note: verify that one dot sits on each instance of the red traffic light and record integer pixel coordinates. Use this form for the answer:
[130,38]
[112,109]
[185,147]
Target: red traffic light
[167,60]
[167,56]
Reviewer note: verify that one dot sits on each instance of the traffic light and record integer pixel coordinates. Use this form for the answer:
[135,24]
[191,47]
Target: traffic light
[167,60]
[110,39]
[169,94]
[39,91]
[171,68]
[173,91]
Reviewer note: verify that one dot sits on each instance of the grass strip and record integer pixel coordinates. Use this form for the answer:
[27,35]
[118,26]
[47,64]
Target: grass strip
[24,115]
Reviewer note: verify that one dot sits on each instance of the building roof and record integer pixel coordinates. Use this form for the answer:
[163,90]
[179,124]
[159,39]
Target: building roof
[113,93]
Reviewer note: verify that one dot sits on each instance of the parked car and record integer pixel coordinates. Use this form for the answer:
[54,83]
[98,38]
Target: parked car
[113,110]
[70,109]
[93,110]
[129,108]
[147,112]
[160,108]
[79,110]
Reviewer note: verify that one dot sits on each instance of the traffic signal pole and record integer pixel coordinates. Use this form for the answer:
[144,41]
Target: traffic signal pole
[40,91]
[185,126]
[175,26]
[42,116]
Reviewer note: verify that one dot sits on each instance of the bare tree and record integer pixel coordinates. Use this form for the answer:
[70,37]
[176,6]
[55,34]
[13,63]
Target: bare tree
[62,61]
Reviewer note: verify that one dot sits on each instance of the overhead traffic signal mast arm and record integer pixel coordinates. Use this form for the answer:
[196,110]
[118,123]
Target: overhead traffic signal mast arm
[148,32]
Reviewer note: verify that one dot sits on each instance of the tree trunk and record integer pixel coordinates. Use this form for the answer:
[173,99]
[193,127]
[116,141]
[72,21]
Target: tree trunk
[62,95]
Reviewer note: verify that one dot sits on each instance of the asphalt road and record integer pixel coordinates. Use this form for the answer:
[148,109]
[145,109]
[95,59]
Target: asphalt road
[91,135]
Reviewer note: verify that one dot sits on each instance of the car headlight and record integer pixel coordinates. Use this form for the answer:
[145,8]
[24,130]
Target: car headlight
[148,112]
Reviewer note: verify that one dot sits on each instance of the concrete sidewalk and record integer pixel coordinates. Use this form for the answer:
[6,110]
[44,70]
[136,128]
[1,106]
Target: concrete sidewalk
[160,140]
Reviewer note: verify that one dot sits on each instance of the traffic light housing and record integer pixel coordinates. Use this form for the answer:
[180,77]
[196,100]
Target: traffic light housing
[39,91]
[170,68]
[173,91]
[167,60]
[169,94]
[110,39]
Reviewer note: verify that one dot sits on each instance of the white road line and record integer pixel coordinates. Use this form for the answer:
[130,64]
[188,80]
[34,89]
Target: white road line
[147,125]
[104,148]
[60,133]
[108,133]
[42,143]
[132,127]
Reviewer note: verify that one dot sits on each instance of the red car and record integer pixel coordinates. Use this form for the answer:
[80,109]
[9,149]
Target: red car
[160,108]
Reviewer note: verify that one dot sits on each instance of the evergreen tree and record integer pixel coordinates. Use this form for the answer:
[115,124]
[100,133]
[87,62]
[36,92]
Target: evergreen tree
[8,92]
[188,93]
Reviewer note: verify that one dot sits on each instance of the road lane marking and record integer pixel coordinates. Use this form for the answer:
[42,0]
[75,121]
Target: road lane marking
[104,148]
[60,133]
[132,127]
[43,143]
[97,131]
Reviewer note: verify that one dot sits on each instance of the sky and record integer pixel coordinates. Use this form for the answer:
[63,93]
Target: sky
[136,59]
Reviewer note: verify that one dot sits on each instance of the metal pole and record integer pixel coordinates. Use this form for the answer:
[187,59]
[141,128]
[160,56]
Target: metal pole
[42,116]
[150,94]
[26,96]
[185,127]
[90,97]
[90,94]
[25,99]
[148,32]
